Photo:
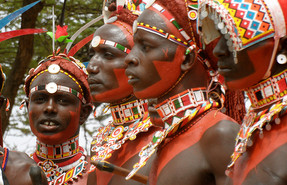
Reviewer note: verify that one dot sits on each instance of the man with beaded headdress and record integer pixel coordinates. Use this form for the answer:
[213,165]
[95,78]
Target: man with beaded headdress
[120,141]
[167,63]
[59,102]
[252,57]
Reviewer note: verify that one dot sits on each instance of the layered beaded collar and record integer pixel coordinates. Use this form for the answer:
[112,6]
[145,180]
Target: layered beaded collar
[268,91]
[271,91]
[172,109]
[62,151]
[178,112]
[128,112]
[61,172]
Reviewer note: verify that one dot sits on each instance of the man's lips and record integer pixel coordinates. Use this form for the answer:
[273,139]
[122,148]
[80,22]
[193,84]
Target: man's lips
[131,77]
[49,125]
[94,83]
[223,68]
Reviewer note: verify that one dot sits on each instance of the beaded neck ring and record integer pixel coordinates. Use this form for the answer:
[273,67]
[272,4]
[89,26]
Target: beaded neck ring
[268,91]
[97,41]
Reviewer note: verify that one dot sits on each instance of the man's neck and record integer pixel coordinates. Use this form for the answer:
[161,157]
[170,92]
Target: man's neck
[196,77]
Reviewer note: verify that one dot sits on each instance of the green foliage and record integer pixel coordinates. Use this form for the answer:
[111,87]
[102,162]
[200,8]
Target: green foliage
[77,13]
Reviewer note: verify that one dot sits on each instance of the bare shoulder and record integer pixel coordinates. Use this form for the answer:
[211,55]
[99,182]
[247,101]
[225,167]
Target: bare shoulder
[20,158]
[21,169]
[217,145]
[221,132]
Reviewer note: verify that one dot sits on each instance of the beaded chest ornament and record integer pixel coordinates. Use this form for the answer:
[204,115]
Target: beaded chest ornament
[114,135]
[64,172]
[271,91]
[177,112]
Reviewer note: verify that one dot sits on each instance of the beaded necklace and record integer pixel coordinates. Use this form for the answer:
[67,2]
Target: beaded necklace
[268,91]
[128,112]
[63,172]
[187,108]
[115,134]
[62,151]
[254,121]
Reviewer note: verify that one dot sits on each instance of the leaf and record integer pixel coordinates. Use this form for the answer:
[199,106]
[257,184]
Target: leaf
[50,34]
[62,38]
[68,40]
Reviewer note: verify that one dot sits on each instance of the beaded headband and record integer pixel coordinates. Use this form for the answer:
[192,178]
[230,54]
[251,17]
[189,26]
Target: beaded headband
[160,32]
[190,44]
[53,88]
[172,20]
[54,69]
[97,41]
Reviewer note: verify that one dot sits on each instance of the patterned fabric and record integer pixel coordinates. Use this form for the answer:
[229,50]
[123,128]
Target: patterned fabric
[136,6]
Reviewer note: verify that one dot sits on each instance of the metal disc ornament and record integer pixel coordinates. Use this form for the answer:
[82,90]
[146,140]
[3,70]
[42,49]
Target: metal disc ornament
[54,69]
[96,41]
[52,87]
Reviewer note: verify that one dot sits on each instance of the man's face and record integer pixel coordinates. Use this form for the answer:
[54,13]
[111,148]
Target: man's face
[154,62]
[107,79]
[251,67]
[54,118]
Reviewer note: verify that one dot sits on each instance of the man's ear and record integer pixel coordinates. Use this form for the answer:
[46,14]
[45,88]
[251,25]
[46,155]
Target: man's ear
[85,112]
[283,45]
[188,62]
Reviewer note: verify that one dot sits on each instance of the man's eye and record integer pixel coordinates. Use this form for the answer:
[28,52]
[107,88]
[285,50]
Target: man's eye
[39,99]
[146,47]
[63,101]
[109,55]
[92,52]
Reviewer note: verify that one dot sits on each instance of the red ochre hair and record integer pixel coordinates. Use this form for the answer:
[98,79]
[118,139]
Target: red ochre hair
[124,15]
[66,65]
[233,99]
